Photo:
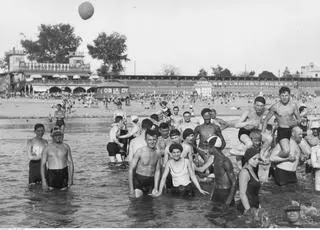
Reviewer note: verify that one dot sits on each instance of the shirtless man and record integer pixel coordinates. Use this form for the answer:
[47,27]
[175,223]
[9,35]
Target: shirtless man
[176,119]
[59,115]
[206,130]
[35,147]
[114,145]
[285,111]
[187,123]
[58,158]
[146,165]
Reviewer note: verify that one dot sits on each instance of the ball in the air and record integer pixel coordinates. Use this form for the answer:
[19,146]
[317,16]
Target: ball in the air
[86,10]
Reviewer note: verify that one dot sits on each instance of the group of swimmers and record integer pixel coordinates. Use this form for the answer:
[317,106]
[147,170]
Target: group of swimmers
[174,153]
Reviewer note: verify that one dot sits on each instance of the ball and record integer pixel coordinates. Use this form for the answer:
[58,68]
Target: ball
[214,141]
[86,10]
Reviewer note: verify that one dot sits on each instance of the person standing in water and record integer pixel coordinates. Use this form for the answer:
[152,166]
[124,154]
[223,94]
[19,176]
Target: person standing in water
[288,116]
[57,156]
[35,147]
[59,115]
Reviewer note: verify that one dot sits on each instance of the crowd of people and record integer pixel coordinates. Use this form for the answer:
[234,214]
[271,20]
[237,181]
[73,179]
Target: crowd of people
[169,152]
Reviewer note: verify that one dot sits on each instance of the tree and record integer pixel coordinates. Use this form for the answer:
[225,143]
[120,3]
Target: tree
[111,50]
[170,70]
[4,63]
[203,73]
[267,75]
[221,72]
[54,44]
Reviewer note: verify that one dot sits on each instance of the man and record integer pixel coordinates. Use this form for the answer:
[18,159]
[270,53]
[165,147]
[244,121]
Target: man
[139,141]
[251,119]
[164,138]
[313,139]
[285,169]
[58,158]
[175,138]
[132,133]
[287,115]
[176,119]
[144,171]
[205,131]
[114,145]
[187,123]
[35,147]
[59,115]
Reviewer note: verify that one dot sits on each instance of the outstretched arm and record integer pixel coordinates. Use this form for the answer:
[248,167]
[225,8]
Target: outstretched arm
[268,116]
[194,179]
[163,180]
[241,122]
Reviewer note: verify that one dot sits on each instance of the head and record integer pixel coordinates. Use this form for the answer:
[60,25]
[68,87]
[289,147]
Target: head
[119,120]
[176,110]
[256,137]
[206,115]
[188,135]
[304,121]
[315,128]
[213,114]
[146,124]
[39,130]
[151,138]
[155,117]
[302,109]
[59,106]
[163,104]
[175,150]
[164,130]
[187,116]
[57,135]
[259,104]
[175,136]
[251,157]
[297,134]
[284,94]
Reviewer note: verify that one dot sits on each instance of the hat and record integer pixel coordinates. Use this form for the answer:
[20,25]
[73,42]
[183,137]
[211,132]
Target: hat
[315,125]
[134,117]
[249,154]
[214,141]
[56,131]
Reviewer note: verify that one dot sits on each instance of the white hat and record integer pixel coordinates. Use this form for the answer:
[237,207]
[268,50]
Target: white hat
[134,117]
[315,125]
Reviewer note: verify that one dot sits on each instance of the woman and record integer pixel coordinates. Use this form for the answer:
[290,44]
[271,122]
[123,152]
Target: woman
[181,172]
[249,184]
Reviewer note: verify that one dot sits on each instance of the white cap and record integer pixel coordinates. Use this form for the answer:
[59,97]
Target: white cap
[315,125]
[134,117]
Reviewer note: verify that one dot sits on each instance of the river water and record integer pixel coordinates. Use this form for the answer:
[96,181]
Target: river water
[99,196]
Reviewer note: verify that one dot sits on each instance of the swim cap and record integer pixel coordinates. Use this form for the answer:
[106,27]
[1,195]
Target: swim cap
[249,154]
[187,133]
[175,146]
[214,141]
[205,110]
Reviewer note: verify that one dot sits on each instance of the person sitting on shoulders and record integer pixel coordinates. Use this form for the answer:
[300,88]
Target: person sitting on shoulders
[181,171]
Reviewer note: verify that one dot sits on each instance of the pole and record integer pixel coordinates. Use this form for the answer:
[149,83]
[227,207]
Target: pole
[134,67]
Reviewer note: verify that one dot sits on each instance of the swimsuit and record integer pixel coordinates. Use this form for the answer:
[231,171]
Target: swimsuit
[221,195]
[34,171]
[283,133]
[283,177]
[58,178]
[143,183]
[113,148]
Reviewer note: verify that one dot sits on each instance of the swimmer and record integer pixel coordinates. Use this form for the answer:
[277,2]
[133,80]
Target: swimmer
[59,115]
[57,156]
[114,145]
[35,147]
[285,111]
[181,172]
[144,171]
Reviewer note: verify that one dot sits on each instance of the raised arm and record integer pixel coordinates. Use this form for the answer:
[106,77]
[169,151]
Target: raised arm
[268,116]
[70,166]
[241,122]
[194,178]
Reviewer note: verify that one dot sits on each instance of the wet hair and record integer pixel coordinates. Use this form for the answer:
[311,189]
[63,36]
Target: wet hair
[37,126]
[151,132]
[117,119]
[175,132]
[55,129]
[251,152]
[301,108]
[175,107]
[155,117]
[260,99]
[255,133]
[164,125]
[284,89]
[146,124]
[205,110]
[186,112]
[175,146]
[186,133]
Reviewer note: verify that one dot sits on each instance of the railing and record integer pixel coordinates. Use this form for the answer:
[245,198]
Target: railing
[53,67]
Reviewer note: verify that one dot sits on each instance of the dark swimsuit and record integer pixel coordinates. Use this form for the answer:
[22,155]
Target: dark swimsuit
[252,193]
[143,183]
[34,171]
[58,178]
[283,133]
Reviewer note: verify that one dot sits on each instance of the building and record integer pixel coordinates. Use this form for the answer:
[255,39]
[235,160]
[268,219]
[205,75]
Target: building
[108,89]
[310,71]
[203,88]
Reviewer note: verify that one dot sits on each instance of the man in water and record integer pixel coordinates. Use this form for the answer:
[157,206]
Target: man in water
[35,147]
[285,111]
[144,171]
[58,158]
[114,145]
[59,115]
[206,130]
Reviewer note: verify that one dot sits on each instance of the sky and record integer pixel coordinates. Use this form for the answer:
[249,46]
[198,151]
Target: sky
[188,34]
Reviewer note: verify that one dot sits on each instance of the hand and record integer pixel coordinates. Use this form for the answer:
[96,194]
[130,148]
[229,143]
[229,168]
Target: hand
[157,194]
[203,192]
[121,145]
[132,194]
[154,191]
[45,186]
[291,158]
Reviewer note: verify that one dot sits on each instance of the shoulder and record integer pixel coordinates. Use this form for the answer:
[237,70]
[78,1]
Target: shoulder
[244,173]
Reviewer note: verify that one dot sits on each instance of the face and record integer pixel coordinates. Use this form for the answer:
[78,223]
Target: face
[190,138]
[298,135]
[293,216]
[213,114]
[206,117]
[57,138]
[175,111]
[254,160]
[151,141]
[285,98]
[187,117]
[175,139]
[315,132]
[256,141]
[259,107]
[164,132]
[39,132]
[304,121]
[176,153]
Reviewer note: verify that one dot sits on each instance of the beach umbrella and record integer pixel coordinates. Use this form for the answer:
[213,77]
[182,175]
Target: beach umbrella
[36,76]
[64,77]
[94,77]
[76,77]
[56,76]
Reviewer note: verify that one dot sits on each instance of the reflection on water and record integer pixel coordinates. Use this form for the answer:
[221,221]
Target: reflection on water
[99,197]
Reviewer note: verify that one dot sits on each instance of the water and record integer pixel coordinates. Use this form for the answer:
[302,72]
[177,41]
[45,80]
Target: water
[99,197]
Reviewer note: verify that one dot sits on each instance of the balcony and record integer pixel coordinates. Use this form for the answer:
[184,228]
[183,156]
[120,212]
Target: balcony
[53,68]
